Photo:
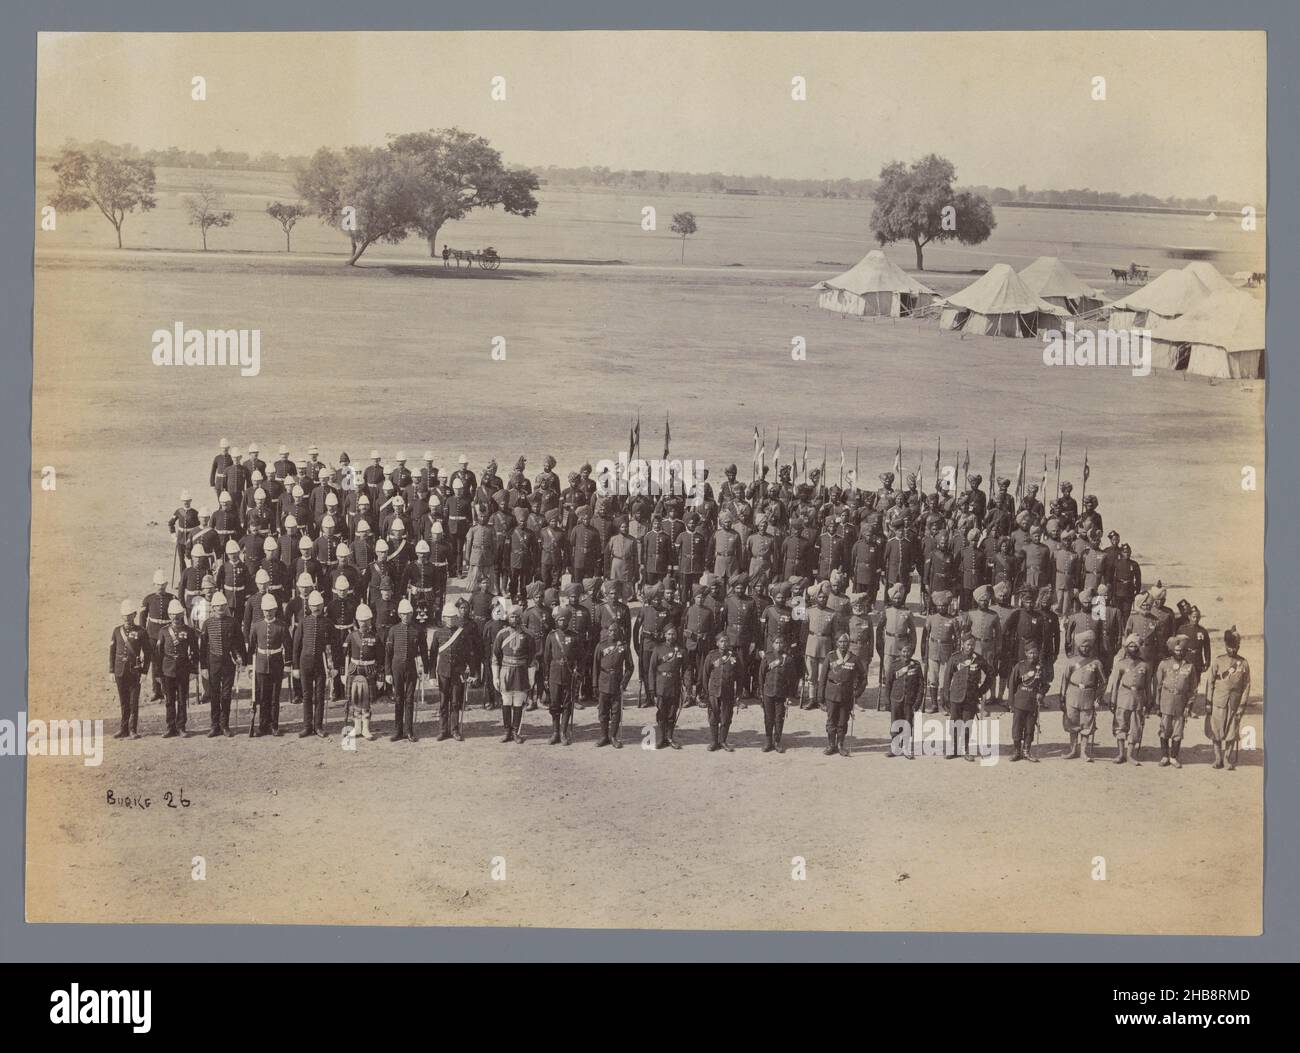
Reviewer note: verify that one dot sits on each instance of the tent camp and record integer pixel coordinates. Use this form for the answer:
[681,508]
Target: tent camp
[1168,295]
[1209,275]
[875,286]
[1051,279]
[999,304]
[1221,336]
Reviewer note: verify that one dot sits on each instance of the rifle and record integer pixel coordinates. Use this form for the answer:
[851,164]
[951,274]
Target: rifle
[252,720]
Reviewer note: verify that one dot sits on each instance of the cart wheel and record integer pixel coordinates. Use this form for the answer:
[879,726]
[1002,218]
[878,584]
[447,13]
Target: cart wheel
[490,263]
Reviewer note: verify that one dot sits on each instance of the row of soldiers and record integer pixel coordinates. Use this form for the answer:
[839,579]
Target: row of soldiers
[700,563]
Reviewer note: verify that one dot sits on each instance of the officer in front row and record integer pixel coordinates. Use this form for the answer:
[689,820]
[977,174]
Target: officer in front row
[611,672]
[453,654]
[129,655]
[221,645]
[845,678]
[178,656]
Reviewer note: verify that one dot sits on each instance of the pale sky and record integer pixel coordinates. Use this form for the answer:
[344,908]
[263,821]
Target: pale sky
[1184,114]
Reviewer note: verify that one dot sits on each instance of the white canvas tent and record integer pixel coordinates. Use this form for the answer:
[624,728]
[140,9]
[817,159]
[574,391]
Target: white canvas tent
[1168,295]
[1222,336]
[875,286]
[1210,276]
[999,304]
[1051,279]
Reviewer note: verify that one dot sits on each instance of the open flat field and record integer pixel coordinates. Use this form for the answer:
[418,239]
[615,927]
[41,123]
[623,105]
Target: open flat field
[396,354]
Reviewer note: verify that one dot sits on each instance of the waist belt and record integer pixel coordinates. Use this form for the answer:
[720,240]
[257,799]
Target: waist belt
[363,661]
[421,588]
[440,564]
[348,626]
[513,663]
[159,621]
[894,635]
[274,650]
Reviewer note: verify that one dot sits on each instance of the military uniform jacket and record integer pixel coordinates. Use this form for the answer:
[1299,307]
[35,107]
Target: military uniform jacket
[520,547]
[1093,567]
[908,685]
[1083,683]
[938,570]
[865,560]
[454,649]
[1078,622]
[700,628]
[986,627]
[341,614]
[667,668]
[623,558]
[658,548]
[268,644]
[778,624]
[403,645]
[829,554]
[779,674]
[155,612]
[941,638]
[795,553]
[974,567]
[895,632]
[898,559]
[536,622]
[721,669]
[614,613]
[178,651]
[552,546]
[1037,562]
[1028,685]
[845,677]
[560,659]
[514,652]
[611,667]
[311,641]
[1143,626]
[128,651]
[741,620]
[1129,687]
[1125,579]
[692,548]
[968,678]
[1027,625]
[586,546]
[725,546]
[365,652]
[220,642]
[1229,681]
[1175,684]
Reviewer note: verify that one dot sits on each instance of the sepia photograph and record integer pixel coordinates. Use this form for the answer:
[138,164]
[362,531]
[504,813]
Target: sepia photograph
[649,480]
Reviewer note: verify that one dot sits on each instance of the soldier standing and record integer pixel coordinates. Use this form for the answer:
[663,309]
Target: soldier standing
[222,461]
[129,655]
[270,647]
[560,661]
[221,647]
[718,676]
[406,655]
[845,678]
[1174,690]
[1082,684]
[905,691]
[667,672]
[514,662]
[312,640]
[154,609]
[1028,689]
[778,679]
[1226,696]
[183,525]
[453,655]
[940,640]
[1129,694]
[985,625]
[611,672]
[178,655]
[895,638]
[969,679]
[364,658]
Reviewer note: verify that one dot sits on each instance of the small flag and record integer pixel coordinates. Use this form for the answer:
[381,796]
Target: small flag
[965,469]
[667,436]
[776,455]
[805,456]
[993,467]
[1020,474]
[898,463]
[1086,471]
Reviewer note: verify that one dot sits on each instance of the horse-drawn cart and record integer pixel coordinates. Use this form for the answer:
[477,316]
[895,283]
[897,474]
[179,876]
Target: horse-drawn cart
[485,258]
[1139,273]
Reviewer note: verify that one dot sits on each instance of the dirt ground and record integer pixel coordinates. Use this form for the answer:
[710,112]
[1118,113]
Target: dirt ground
[397,355]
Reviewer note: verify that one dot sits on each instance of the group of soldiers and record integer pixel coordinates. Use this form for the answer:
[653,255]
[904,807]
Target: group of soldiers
[335,578]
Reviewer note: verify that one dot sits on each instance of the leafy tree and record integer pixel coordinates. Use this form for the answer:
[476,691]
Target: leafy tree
[459,172]
[116,185]
[684,226]
[911,204]
[371,194]
[205,210]
[287,216]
